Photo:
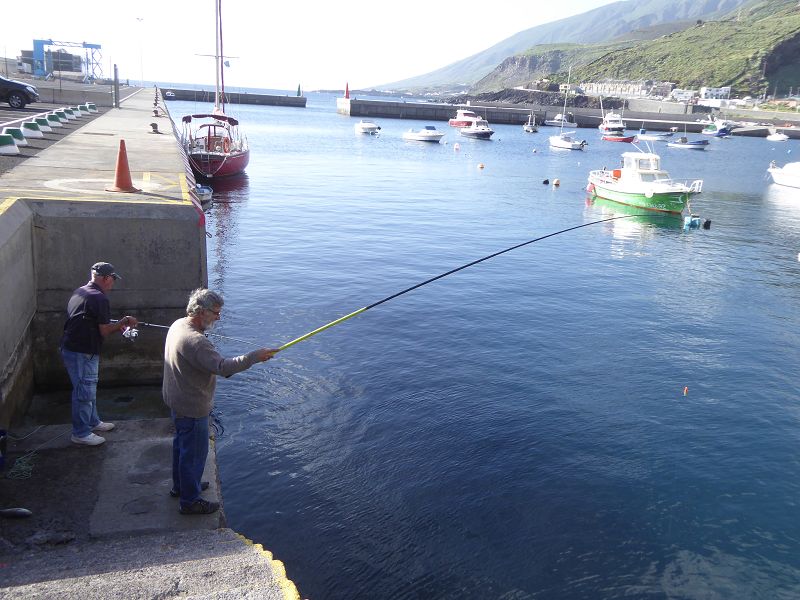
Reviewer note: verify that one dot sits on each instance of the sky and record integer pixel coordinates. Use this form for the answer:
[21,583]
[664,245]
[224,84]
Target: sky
[280,45]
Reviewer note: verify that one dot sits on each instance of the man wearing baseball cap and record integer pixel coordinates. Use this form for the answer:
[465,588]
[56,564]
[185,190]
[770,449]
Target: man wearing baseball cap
[88,322]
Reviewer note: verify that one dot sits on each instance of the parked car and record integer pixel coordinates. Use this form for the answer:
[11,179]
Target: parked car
[17,93]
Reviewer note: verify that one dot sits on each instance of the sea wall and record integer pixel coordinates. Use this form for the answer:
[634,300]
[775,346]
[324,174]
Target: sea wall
[18,299]
[236,98]
[158,249]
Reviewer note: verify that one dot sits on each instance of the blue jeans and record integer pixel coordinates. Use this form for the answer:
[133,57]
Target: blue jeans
[83,372]
[189,453]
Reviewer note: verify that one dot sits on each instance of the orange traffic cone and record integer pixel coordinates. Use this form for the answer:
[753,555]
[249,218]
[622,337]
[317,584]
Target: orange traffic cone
[122,175]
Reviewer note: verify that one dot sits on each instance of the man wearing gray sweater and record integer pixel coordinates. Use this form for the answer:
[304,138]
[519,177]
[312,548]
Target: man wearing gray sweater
[191,367]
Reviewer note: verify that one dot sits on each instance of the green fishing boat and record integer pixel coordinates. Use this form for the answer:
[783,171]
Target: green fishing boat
[641,182]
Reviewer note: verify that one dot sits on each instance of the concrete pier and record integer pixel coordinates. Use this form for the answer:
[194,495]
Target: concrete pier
[644,114]
[236,97]
[103,523]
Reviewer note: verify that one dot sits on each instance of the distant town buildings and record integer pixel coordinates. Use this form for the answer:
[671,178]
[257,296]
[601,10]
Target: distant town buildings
[625,88]
[713,93]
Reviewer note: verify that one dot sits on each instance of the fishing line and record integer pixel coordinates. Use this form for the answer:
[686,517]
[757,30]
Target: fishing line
[432,279]
[142,323]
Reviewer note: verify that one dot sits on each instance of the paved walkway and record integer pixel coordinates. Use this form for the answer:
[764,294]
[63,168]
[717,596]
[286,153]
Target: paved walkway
[103,524]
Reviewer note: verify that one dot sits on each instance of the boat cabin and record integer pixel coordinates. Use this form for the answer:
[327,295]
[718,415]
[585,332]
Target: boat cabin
[641,166]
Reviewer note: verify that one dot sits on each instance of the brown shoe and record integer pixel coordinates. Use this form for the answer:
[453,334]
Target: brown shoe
[199,507]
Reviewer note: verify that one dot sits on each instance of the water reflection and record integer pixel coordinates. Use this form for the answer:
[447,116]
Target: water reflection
[230,198]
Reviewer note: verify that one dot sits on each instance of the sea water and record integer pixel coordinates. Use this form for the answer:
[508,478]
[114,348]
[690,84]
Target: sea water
[611,412]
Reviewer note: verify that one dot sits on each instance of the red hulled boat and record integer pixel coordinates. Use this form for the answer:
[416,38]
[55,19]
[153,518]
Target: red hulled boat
[213,143]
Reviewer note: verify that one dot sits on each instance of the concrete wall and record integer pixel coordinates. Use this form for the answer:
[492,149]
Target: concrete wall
[18,299]
[159,250]
[99,96]
[238,98]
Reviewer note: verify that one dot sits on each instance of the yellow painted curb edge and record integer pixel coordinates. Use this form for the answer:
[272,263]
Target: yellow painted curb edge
[287,586]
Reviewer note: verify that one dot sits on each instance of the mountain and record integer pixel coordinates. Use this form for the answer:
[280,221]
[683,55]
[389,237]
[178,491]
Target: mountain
[599,25]
[752,49]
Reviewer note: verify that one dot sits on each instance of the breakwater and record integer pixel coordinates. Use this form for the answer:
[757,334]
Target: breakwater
[234,97]
[651,115]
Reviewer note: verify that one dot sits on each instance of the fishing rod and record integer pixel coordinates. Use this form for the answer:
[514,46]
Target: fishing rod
[132,334]
[432,279]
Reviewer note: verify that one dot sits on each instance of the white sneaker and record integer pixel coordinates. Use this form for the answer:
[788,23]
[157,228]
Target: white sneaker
[89,440]
[103,426]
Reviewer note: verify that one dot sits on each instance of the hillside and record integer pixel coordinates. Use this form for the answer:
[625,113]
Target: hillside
[618,19]
[748,52]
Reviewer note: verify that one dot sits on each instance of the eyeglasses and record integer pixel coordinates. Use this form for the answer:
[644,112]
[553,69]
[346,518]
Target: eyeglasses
[216,312]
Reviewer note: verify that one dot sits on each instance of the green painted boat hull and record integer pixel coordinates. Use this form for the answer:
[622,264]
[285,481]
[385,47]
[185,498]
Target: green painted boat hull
[673,202]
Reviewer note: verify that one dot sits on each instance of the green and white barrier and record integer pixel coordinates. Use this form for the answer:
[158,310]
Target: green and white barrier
[62,116]
[43,124]
[16,133]
[31,129]
[53,120]
[7,144]
[92,107]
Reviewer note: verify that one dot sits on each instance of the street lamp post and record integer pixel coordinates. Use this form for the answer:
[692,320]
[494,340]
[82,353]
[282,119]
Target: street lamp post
[141,51]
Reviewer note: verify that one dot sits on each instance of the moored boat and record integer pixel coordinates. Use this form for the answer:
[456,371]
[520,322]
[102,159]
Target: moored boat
[658,136]
[777,136]
[718,129]
[641,182]
[429,133]
[618,137]
[478,130]
[463,118]
[561,120]
[566,140]
[687,144]
[530,126]
[366,126]
[212,141]
[612,123]
[787,175]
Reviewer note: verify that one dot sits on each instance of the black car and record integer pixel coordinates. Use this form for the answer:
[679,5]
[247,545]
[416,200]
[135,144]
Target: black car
[17,93]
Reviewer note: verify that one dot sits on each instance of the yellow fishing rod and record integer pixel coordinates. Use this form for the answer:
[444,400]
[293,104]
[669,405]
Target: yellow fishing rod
[432,279]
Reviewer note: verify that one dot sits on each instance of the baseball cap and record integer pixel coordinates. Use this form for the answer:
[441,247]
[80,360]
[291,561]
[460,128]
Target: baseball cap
[105,269]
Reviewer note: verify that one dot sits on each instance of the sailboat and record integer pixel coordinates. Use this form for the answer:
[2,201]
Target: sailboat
[213,143]
[565,140]
[530,126]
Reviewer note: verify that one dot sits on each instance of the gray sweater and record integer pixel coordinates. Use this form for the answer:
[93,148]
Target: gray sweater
[191,367]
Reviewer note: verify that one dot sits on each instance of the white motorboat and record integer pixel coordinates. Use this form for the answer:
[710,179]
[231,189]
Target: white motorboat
[687,144]
[561,120]
[658,136]
[612,122]
[478,130]
[777,136]
[567,141]
[366,126]
[429,133]
[530,126]
[463,118]
[788,174]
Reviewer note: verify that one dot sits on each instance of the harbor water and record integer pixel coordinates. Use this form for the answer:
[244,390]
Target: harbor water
[611,412]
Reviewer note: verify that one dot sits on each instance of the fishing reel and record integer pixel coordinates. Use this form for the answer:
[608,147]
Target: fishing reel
[129,333]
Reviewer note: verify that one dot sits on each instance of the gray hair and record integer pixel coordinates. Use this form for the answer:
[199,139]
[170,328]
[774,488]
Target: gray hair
[203,299]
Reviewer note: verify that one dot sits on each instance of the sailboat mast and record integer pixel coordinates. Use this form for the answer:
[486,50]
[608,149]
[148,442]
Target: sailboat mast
[217,53]
[222,98]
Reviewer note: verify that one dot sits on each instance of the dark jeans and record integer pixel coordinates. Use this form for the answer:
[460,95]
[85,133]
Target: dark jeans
[189,453]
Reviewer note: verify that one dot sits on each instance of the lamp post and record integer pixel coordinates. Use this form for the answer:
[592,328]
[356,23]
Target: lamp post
[141,52]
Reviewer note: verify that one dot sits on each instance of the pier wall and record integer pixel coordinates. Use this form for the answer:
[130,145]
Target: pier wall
[236,98]
[161,254]
[18,299]
[516,114]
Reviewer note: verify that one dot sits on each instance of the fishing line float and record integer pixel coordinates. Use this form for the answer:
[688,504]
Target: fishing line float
[432,279]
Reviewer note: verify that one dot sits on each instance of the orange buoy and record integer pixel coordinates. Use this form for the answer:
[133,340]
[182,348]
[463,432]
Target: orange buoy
[686,390]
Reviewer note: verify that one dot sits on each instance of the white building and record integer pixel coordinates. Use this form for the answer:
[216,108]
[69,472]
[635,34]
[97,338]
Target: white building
[712,93]
[683,95]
